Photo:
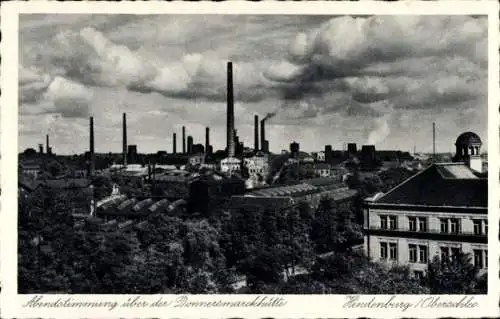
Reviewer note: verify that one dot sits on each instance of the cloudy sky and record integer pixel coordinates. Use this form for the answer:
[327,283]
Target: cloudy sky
[331,80]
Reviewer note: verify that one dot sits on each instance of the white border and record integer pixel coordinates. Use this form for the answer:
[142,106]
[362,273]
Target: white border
[297,305]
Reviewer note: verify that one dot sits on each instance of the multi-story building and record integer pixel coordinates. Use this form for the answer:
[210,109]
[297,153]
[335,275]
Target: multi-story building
[441,211]
[257,165]
[230,165]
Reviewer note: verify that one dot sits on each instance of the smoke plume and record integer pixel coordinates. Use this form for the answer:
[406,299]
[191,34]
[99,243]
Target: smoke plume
[381,130]
[268,116]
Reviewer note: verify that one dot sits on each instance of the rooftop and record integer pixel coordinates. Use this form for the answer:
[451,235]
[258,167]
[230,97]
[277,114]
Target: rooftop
[450,185]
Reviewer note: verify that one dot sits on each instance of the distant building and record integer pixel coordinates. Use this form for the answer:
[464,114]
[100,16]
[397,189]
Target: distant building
[230,165]
[310,191]
[198,149]
[321,156]
[322,170]
[257,165]
[32,169]
[197,159]
[440,211]
[368,157]
[209,189]
[132,154]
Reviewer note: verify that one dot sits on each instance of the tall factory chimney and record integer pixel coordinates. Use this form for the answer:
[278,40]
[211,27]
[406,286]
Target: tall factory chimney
[434,141]
[256,132]
[91,148]
[207,139]
[174,144]
[183,140]
[262,134]
[124,139]
[47,144]
[230,112]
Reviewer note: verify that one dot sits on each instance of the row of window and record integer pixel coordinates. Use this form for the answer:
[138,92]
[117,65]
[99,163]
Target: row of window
[447,225]
[420,253]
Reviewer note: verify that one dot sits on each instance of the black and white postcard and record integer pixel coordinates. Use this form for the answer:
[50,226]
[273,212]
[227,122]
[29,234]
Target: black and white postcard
[250,160]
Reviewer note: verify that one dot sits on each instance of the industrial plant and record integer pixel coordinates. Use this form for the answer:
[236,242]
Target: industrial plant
[125,193]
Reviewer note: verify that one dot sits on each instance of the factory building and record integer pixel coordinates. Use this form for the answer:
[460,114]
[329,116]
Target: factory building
[368,157]
[441,211]
[310,191]
[230,165]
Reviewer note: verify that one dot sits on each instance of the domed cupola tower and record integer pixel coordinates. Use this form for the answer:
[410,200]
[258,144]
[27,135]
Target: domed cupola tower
[468,150]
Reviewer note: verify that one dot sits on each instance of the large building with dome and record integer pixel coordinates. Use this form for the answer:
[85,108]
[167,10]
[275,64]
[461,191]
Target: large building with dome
[440,211]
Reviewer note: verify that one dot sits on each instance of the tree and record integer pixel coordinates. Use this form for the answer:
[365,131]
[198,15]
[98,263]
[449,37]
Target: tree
[393,177]
[455,275]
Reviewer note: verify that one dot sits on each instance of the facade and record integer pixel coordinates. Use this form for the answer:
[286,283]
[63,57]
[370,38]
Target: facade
[230,165]
[441,211]
[321,156]
[257,165]
[323,170]
[32,169]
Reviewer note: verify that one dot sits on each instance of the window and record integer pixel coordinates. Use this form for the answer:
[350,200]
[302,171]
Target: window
[422,224]
[419,275]
[477,226]
[478,258]
[455,252]
[445,253]
[444,225]
[383,250]
[393,222]
[412,223]
[413,253]
[423,254]
[393,251]
[454,226]
[485,226]
[485,258]
[383,221]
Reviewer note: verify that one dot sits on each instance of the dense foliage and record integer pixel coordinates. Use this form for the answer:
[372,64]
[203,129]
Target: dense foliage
[293,250]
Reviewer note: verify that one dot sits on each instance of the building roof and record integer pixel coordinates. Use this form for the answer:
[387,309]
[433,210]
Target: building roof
[468,138]
[449,184]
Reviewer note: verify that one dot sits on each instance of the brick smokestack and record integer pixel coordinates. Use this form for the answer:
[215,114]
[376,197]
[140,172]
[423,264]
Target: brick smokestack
[230,112]
[174,144]
[124,139]
[91,148]
[262,134]
[256,132]
[183,140]
[47,144]
[207,139]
